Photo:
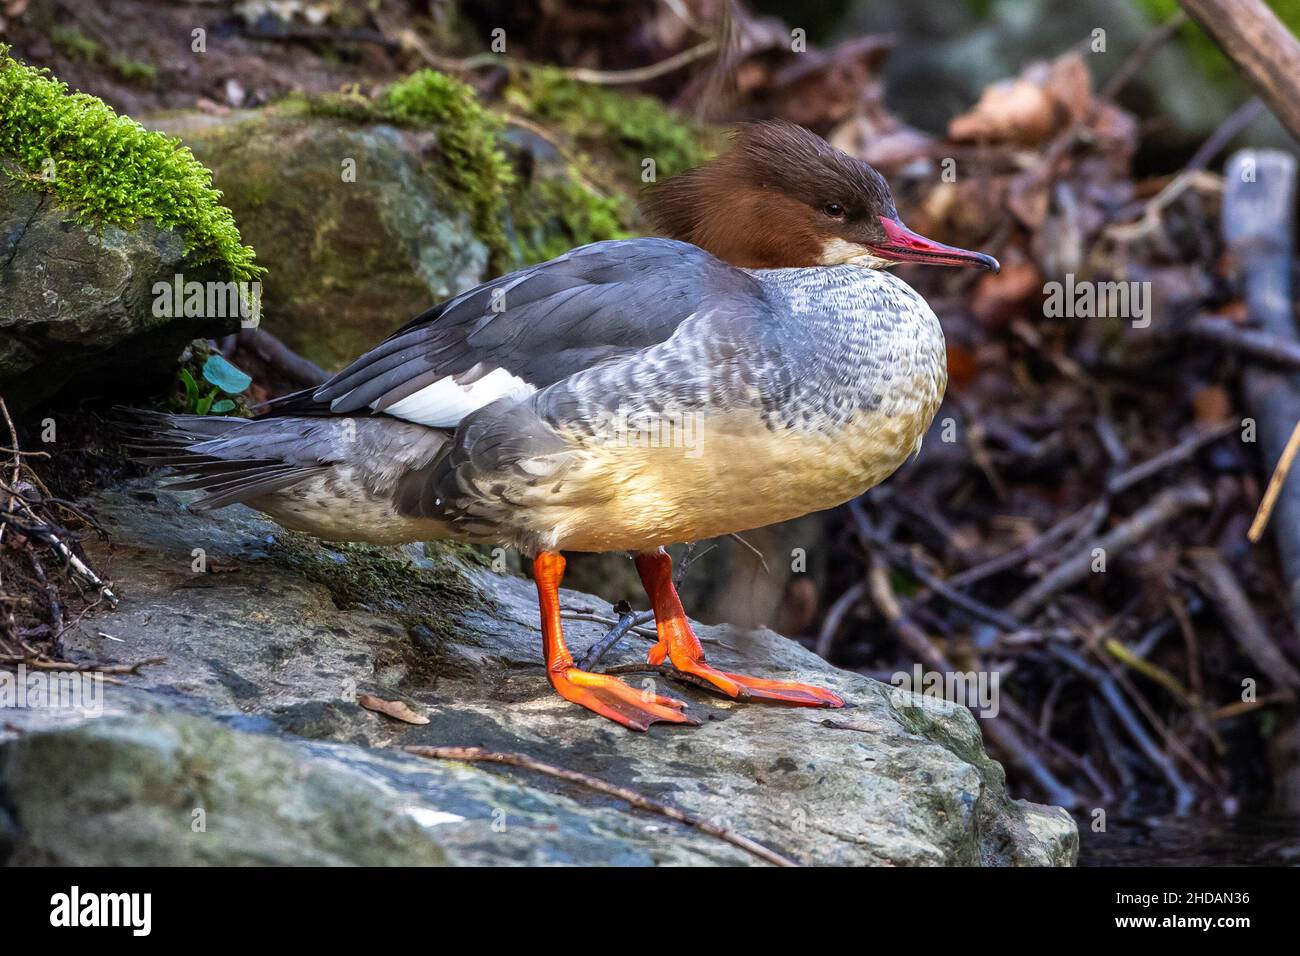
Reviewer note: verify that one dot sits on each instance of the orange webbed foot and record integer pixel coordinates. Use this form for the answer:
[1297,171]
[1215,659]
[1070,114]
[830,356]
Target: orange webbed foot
[743,687]
[678,644]
[610,697]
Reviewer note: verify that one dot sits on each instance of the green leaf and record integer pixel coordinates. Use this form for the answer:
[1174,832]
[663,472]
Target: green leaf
[191,389]
[221,407]
[225,376]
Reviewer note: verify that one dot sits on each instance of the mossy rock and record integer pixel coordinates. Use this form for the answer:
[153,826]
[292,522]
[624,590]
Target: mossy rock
[108,169]
[76,302]
[353,221]
[368,210]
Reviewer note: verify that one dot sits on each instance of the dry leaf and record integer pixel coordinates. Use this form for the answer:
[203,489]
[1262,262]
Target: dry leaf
[397,709]
[1012,110]
[1211,405]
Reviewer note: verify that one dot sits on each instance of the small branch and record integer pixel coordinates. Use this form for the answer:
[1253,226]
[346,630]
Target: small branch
[1165,507]
[752,550]
[524,762]
[1236,123]
[627,619]
[1141,55]
[664,670]
[638,629]
[1048,539]
[282,358]
[1253,343]
[1215,578]
[1261,46]
[1170,457]
[834,617]
[1110,692]
[642,74]
[922,649]
[1275,483]
[41,663]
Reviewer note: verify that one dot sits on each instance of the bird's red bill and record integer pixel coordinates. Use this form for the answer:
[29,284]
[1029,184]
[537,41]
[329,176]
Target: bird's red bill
[903,245]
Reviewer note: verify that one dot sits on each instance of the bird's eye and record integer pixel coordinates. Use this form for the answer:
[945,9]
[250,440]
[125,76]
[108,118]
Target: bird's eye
[834,210]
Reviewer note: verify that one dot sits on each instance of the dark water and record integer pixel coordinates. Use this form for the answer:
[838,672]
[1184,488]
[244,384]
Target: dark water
[1247,840]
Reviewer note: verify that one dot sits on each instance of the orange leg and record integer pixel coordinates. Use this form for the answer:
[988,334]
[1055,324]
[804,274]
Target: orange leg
[606,695]
[678,643]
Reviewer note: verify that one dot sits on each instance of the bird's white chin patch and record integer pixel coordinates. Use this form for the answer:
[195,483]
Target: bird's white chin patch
[840,252]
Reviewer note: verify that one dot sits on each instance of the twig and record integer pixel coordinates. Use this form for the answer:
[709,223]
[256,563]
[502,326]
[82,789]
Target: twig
[923,650]
[751,549]
[1220,585]
[35,526]
[1138,59]
[1109,691]
[42,663]
[409,39]
[664,670]
[870,538]
[643,73]
[1228,130]
[282,358]
[627,619]
[1261,46]
[1275,483]
[609,621]
[1048,539]
[1179,453]
[835,615]
[1253,343]
[524,762]
[1168,505]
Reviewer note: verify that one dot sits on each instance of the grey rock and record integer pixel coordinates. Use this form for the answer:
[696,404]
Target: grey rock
[352,221]
[252,718]
[76,301]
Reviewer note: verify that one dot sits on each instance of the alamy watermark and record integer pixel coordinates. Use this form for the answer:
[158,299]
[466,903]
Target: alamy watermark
[977,690]
[1085,299]
[208,300]
[23,689]
[668,428]
[133,911]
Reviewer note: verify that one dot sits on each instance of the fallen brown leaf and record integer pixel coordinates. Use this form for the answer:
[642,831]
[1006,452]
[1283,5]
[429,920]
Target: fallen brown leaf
[397,709]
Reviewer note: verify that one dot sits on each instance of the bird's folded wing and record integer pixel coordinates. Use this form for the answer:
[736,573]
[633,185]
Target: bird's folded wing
[522,332]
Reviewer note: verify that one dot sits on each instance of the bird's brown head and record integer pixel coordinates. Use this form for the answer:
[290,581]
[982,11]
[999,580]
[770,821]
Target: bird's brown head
[782,197]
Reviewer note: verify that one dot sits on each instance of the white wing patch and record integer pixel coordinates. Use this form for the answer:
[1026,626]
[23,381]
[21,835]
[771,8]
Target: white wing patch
[444,403]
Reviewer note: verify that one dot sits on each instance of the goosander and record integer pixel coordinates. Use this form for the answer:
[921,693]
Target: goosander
[550,409]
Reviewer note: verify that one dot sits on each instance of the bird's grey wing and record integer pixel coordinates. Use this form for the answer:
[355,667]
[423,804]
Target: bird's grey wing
[525,331]
[509,458]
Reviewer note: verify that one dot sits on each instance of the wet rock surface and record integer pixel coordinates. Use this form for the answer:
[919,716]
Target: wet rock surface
[246,744]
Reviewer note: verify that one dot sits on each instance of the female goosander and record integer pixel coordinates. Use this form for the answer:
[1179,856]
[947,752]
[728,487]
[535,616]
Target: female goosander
[756,365]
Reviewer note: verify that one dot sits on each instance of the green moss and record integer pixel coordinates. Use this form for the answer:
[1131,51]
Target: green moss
[636,127]
[382,579]
[134,71]
[611,136]
[74,44]
[556,214]
[110,169]
[479,174]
